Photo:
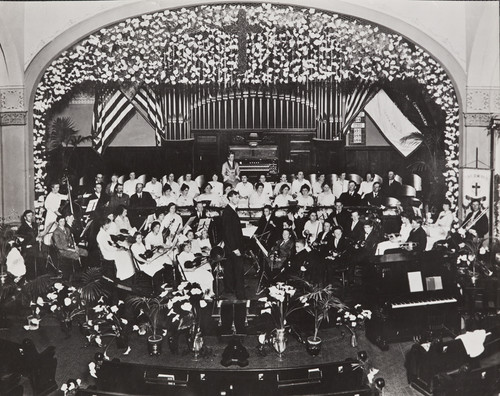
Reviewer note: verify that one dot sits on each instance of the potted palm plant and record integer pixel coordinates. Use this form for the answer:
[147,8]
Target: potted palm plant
[318,301]
[149,318]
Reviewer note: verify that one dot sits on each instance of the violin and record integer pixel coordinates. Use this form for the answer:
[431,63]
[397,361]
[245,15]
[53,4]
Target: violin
[149,253]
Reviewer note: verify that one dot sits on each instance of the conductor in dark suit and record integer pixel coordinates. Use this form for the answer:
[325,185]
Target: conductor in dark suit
[350,197]
[392,188]
[375,197]
[141,204]
[417,235]
[233,244]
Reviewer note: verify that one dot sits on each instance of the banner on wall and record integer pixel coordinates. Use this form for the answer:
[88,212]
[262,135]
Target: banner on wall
[476,184]
[392,123]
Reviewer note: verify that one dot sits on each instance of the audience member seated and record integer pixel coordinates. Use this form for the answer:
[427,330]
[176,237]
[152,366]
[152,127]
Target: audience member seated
[200,274]
[277,187]
[176,188]
[245,189]
[298,183]
[118,197]
[366,186]
[392,188]
[351,197]
[395,240]
[112,252]
[304,199]
[154,188]
[417,240]
[259,198]
[185,199]
[129,186]
[440,229]
[217,186]
[167,196]
[375,197]
[141,204]
[268,187]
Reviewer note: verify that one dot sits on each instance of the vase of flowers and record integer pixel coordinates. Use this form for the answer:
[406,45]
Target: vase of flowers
[184,311]
[353,319]
[279,303]
[318,301]
[150,309]
[65,301]
[107,321]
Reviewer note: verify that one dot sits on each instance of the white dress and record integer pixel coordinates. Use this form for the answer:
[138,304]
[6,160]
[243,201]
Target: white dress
[153,240]
[129,187]
[165,200]
[201,275]
[122,258]
[305,201]
[217,187]
[173,222]
[313,228]
[259,201]
[297,185]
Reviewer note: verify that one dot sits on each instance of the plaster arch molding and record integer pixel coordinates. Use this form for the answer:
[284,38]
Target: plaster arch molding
[437,56]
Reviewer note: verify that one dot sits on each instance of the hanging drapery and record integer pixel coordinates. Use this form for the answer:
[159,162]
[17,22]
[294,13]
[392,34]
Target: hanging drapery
[109,116]
[355,100]
[153,106]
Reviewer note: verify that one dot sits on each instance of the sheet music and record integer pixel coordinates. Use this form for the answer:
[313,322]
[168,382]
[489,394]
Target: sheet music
[249,231]
[264,250]
[415,281]
[434,283]
[91,205]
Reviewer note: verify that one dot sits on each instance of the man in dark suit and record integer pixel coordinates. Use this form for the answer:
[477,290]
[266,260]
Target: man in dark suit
[140,206]
[199,214]
[392,188]
[369,240]
[267,227]
[417,235]
[298,265]
[233,243]
[355,230]
[375,198]
[282,249]
[339,217]
[480,227]
[350,197]
[336,256]
[118,198]
[101,196]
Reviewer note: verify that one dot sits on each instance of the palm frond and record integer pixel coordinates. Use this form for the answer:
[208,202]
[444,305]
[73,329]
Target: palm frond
[93,287]
[62,130]
[37,287]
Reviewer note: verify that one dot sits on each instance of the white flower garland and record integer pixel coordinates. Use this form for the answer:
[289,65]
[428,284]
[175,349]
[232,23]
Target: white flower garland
[200,45]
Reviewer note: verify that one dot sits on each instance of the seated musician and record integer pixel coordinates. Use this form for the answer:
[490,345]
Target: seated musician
[321,247]
[277,187]
[112,252]
[118,197]
[298,216]
[208,196]
[197,215]
[355,230]
[326,197]
[185,199]
[141,204]
[259,198]
[122,221]
[28,232]
[312,228]
[167,197]
[368,242]
[304,198]
[335,257]
[441,227]
[99,195]
[245,189]
[288,225]
[283,198]
[201,274]
[149,262]
[159,216]
[64,242]
[281,251]
[351,197]
[172,223]
[395,240]
[299,263]
[298,183]
[417,240]
[195,243]
[476,222]
[375,197]
[340,217]
[317,186]
[267,227]
[154,239]
[204,242]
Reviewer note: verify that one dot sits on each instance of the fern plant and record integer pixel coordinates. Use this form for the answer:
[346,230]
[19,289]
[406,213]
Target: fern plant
[151,307]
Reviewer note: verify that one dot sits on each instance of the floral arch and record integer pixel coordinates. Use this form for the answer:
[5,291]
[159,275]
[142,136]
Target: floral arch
[234,44]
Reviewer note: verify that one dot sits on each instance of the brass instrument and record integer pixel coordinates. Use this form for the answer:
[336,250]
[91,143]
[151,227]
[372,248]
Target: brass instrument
[473,220]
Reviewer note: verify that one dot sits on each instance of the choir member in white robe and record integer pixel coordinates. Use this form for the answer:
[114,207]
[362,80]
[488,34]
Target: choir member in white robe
[176,188]
[245,189]
[298,183]
[154,187]
[259,198]
[217,186]
[130,184]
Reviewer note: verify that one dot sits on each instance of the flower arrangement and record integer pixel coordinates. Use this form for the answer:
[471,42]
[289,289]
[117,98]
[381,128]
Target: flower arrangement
[71,387]
[280,302]
[184,306]
[150,309]
[65,301]
[284,45]
[352,319]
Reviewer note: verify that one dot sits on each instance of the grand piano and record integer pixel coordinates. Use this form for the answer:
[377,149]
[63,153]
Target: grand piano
[412,294]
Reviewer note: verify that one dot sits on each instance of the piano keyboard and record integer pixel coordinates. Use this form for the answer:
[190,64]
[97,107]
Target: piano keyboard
[436,301]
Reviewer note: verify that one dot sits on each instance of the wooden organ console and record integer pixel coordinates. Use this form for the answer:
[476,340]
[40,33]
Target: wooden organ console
[258,159]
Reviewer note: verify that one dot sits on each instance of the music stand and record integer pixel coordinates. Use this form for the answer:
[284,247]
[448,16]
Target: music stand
[263,273]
